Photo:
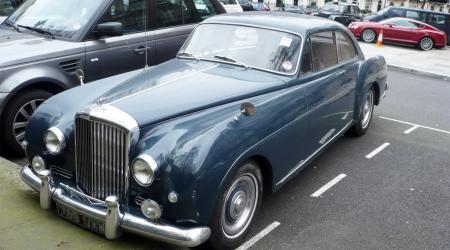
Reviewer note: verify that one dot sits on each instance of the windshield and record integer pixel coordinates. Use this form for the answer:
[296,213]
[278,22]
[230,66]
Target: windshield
[63,18]
[247,46]
[333,7]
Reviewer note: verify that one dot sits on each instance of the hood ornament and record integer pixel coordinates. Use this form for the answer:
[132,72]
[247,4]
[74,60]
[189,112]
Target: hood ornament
[100,101]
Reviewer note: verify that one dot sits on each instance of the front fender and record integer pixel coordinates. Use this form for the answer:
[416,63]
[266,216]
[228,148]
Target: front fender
[198,154]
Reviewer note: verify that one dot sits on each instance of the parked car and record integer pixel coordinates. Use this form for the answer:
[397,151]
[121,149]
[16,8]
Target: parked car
[344,13]
[7,7]
[436,19]
[401,30]
[231,6]
[295,9]
[49,40]
[183,151]
[246,5]
[260,6]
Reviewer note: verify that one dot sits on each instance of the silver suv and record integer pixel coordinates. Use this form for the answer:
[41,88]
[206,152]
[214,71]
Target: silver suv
[45,42]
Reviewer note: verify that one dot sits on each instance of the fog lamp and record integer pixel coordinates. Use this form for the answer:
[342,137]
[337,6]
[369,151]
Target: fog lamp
[151,209]
[54,140]
[38,164]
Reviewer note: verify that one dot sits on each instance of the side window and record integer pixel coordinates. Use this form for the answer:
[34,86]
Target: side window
[420,16]
[437,19]
[131,13]
[306,65]
[168,13]
[205,8]
[323,49]
[189,11]
[395,13]
[345,46]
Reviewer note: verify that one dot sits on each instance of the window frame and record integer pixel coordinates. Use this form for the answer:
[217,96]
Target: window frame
[307,41]
[293,74]
[337,47]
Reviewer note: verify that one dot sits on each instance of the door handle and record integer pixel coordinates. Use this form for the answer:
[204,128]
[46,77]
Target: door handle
[140,50]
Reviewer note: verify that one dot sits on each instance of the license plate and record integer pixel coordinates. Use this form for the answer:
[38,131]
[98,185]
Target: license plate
[79,219]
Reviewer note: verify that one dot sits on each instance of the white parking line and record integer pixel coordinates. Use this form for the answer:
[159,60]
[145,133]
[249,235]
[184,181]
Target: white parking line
[377,150]
[413,124]
[408,131]
[257,237]
[327,186]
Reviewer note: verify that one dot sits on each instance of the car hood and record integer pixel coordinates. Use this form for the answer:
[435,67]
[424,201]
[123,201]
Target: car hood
[23,47]
[175,88]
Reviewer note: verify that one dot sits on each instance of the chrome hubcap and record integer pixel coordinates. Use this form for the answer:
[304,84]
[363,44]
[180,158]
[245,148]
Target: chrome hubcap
[368,35]
[240,205]
[426,43]
[21,118]
[367,110]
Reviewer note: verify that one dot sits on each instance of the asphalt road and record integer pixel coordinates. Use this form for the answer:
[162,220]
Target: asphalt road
[399,198]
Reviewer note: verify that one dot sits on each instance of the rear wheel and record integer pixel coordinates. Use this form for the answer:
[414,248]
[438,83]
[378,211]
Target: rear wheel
[362,125]
[16,116]
[236,208]
[426,43]
[368,35]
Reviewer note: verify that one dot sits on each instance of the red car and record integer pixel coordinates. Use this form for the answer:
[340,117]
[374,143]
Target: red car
[400,30]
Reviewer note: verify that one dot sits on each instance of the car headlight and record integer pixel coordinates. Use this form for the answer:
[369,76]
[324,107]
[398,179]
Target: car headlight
[54,140]
[144,169]
[38,164]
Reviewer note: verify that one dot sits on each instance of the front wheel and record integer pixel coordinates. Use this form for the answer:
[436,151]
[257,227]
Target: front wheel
[362,125]
[368,35]
[237,207]
[16,116]
[426,43]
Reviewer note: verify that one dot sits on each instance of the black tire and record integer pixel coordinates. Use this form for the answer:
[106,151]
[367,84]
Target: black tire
[426,43]
[11,116]
[362,125]
[369,40]
[219,238]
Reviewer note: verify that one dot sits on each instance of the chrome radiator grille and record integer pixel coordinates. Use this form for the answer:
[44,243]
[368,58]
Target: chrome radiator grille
[101,158]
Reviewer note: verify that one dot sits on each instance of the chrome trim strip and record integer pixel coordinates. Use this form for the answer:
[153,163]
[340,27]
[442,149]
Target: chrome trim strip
[303,162]
[114,219]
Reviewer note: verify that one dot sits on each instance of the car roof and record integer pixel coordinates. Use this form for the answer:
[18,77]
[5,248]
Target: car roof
[292,22]
[417,9]
[407,19]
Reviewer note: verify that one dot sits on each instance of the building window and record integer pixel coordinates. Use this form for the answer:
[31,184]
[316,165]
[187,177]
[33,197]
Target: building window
[368,5]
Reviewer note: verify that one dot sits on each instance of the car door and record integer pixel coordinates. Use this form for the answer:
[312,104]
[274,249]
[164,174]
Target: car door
[401,31]
[328,94]
[109,56]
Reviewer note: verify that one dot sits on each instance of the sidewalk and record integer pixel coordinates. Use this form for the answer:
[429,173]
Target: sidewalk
[435,63]
[24,225]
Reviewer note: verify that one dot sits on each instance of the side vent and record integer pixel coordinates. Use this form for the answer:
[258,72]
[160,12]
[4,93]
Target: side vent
[70,66]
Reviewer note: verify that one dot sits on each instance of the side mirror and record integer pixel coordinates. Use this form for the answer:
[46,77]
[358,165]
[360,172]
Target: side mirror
[248,109]
[109,29]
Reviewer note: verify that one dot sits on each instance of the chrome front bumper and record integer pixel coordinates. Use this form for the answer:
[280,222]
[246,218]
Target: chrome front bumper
[114,219]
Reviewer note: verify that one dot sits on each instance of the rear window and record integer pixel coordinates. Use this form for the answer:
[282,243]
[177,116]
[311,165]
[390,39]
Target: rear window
[439,19]
[346,48]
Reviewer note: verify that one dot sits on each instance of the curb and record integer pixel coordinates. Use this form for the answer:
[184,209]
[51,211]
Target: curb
[419,72]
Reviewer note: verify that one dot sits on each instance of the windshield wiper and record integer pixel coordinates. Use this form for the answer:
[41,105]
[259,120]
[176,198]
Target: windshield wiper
[229,59]
[10,24]
[186,54]
[38,30]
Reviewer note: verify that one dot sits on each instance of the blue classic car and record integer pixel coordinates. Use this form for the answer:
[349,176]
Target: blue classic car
[183,151]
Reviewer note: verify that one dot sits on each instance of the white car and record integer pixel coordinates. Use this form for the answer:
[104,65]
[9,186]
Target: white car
[231,6]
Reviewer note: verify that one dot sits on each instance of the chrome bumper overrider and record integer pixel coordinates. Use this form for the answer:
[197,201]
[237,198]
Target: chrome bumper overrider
[114,219]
